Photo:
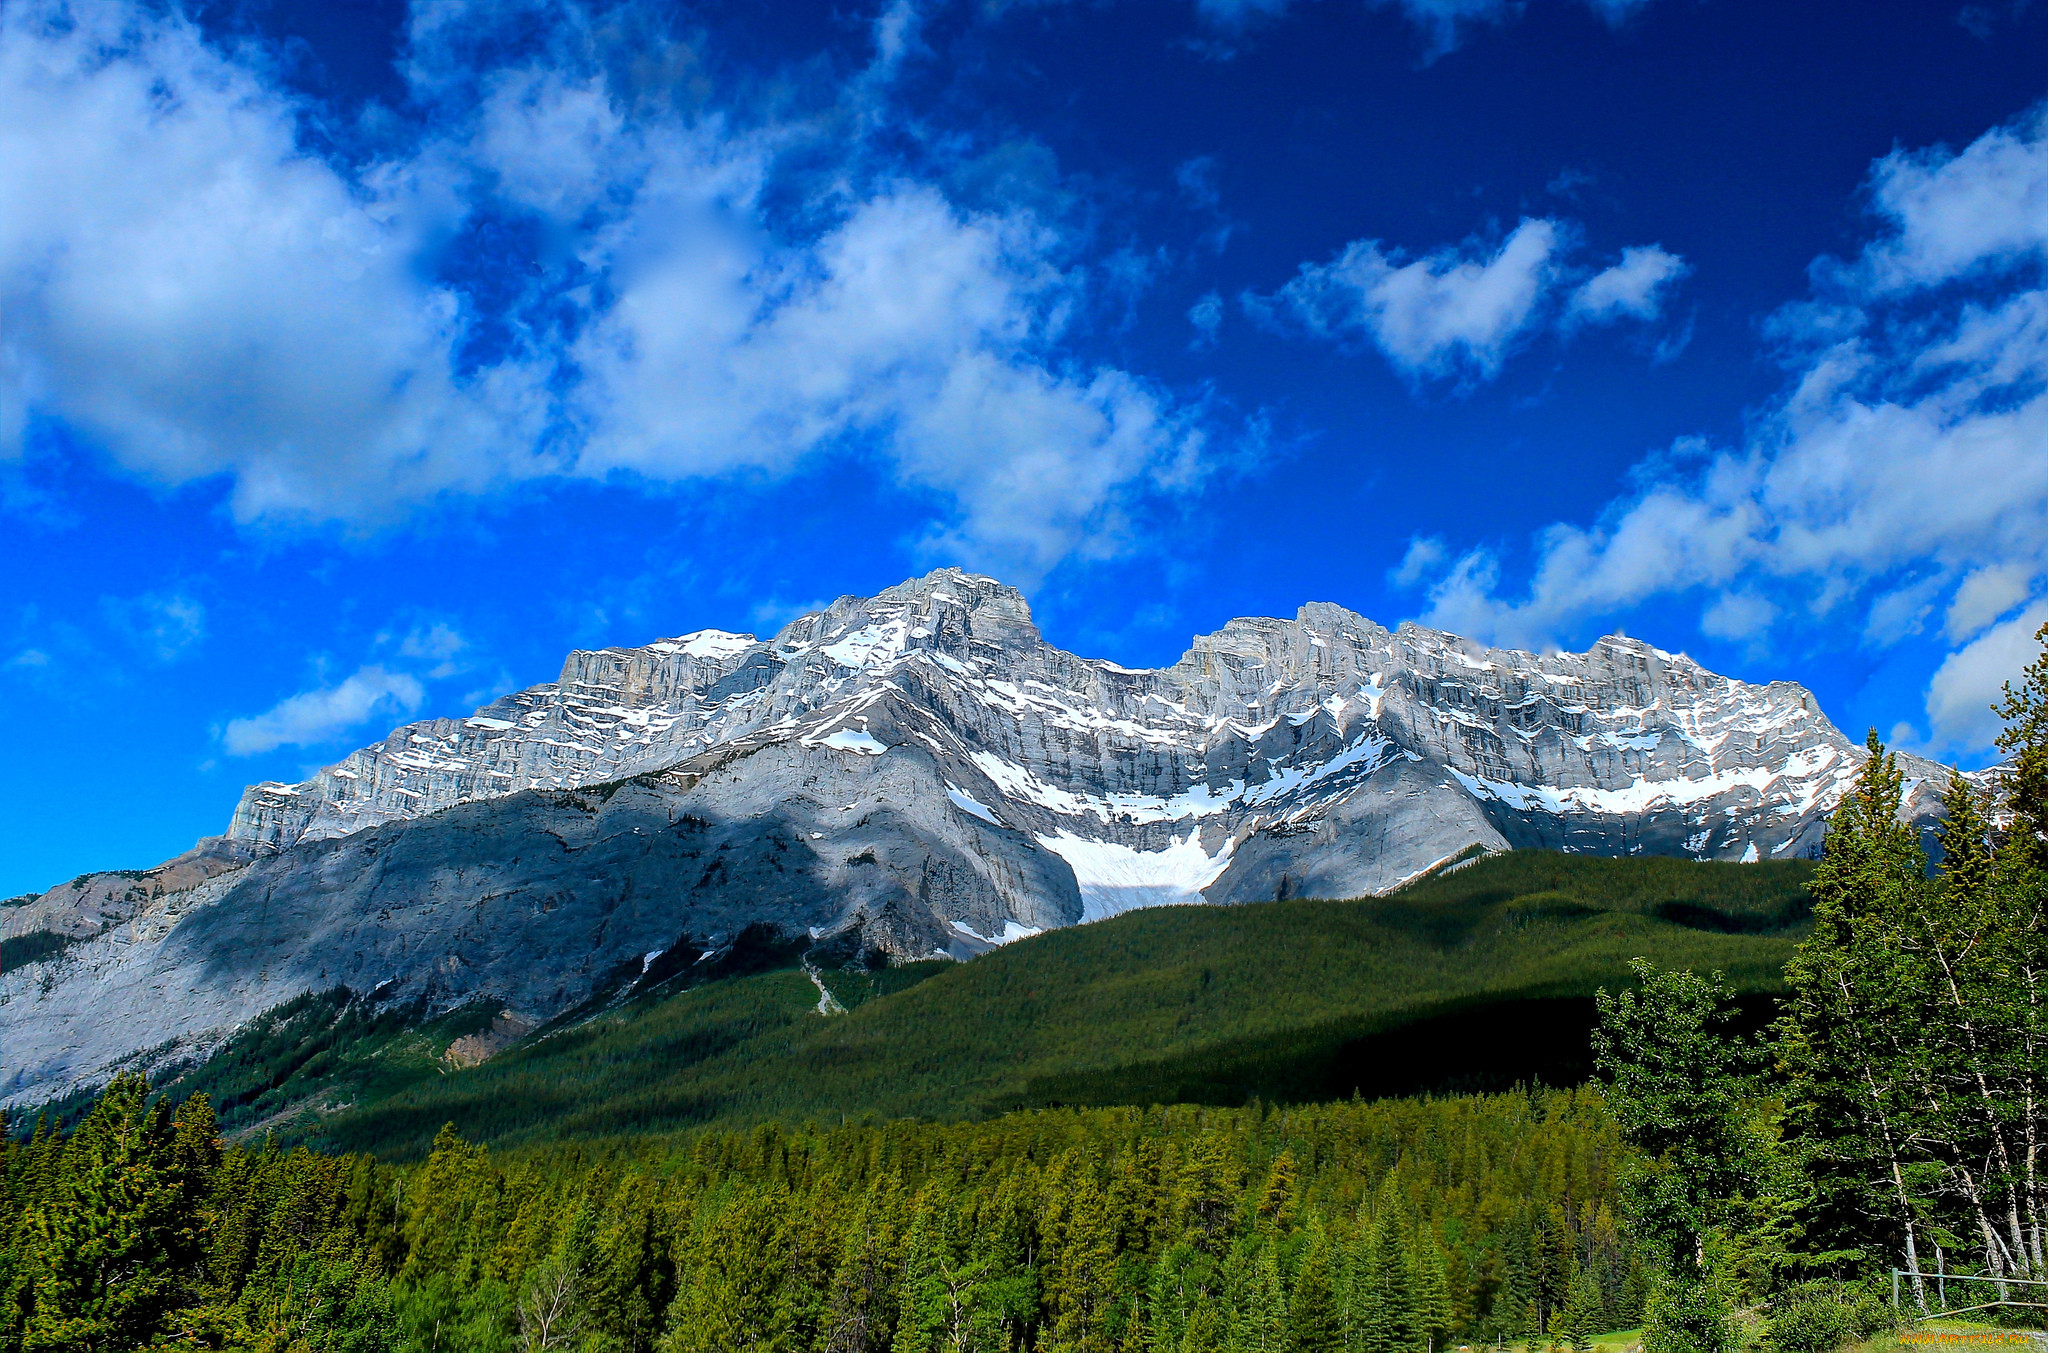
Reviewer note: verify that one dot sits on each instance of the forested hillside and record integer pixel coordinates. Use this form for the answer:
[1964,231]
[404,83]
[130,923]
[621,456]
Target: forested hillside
[1476,980]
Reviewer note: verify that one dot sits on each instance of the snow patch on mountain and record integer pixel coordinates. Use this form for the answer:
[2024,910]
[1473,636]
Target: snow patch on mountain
[1115,878]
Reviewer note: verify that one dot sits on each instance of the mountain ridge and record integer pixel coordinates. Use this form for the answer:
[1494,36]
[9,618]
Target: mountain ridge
[911,774]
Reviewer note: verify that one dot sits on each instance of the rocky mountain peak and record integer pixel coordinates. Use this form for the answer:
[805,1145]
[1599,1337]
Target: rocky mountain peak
[913,773]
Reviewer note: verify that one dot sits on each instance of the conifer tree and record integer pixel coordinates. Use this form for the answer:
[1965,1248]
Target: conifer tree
[1258,1315]
[733,1302]
[103,1242]
[1175,1290]
[1081,1244]
[1312,1320]
[630,1278]
[1205,1193]
[1580,1317]
[1432,1298]
[2024,710]
[1845,1040]
[1913,1037]
[1276,1204]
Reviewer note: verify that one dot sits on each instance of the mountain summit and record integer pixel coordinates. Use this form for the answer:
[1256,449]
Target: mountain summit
[909,774]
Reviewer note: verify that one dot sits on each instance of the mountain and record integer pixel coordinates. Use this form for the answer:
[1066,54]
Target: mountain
[891,778]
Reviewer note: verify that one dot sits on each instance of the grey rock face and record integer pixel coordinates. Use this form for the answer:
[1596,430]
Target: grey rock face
[92,903]
[916,773]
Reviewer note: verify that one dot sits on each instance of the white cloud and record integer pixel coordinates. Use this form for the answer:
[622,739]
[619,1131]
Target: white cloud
[1953,214]
[311,718]
[554,144]
[1960,697]
[439,644]
[927,328]
[1634,287]
[1423,555]
[1206,315]
[1460,310]
[1901,612]
[1986,595]
[1904,455]
[438,641]
[202,298]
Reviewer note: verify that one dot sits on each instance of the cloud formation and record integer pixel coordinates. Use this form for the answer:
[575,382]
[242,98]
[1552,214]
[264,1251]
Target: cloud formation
[1960,697]
[200,297]
[1903,461]
[1633,288]
[1460,310]
[317,717]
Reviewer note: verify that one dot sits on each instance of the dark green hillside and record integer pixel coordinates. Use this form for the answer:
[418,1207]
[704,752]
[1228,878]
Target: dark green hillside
[1468,981]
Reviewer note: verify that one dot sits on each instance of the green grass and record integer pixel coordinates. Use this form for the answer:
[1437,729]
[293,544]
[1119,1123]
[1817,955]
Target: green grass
[1470,981]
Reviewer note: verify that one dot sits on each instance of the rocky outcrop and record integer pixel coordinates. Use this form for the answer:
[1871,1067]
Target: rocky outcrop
[910,774]
[91,903]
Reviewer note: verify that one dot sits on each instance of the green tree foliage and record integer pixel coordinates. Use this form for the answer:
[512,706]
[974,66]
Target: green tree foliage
[2025,739]
[1845,1041]
[1344,1227]
[1680,1081]
[1913,1043]
[1904,1124]
[138,1228]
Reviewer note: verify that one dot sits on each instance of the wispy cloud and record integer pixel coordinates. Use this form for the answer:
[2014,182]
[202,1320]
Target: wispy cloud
[439,644]
[1633,288]
[1442,24]
[317,717]
[167,626]
[1460,310]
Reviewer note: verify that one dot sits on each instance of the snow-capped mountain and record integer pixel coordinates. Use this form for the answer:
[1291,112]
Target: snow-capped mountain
[914,773]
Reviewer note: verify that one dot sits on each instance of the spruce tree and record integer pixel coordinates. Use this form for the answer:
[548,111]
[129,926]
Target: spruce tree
[1258,1305]
[1580,1319]
[103,1242]
[1313,1325]
[2024,710]
[1912,1038]
[1175,1289]
[1432,1298]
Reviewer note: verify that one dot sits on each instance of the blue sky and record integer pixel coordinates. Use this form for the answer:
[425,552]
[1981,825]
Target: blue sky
[357,361]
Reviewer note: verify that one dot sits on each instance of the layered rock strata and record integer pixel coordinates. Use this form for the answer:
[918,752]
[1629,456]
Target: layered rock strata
[915,773]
